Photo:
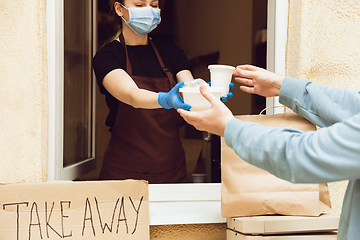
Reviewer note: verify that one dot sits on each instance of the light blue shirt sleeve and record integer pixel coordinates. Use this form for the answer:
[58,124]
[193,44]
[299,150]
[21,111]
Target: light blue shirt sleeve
[320,104]
[329,154]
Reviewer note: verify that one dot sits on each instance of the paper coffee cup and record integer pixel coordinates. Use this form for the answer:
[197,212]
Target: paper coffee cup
[220,77]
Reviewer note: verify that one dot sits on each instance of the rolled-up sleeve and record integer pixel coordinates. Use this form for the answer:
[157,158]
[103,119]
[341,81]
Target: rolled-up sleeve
[320,104]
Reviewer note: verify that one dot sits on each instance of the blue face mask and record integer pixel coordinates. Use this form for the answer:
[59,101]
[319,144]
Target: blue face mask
[142,20]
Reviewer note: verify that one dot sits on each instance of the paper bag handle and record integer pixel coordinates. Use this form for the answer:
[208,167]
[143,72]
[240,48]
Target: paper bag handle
[273,107]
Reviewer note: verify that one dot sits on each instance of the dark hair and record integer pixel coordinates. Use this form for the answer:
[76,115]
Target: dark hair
[112,10]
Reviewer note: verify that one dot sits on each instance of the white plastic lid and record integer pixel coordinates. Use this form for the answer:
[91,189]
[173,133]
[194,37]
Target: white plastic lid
[218,66]
[197,90]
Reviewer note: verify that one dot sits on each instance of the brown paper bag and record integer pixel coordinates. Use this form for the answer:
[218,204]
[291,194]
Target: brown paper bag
[247,190]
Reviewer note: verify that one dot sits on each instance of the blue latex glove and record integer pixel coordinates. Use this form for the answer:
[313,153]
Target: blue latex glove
[173,98]
[229,95]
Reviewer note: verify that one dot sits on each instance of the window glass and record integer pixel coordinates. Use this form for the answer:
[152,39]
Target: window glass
[78,84]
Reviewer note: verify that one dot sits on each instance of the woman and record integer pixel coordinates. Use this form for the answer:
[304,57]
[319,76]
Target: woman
[140,78]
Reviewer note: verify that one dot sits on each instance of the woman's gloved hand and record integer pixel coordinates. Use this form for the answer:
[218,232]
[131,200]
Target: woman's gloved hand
[229,95]
[173,98]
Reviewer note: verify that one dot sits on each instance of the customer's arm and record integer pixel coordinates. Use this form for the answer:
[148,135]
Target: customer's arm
[322,105]
[329,154]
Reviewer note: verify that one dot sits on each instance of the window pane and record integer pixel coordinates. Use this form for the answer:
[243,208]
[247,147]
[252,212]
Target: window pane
[77,81]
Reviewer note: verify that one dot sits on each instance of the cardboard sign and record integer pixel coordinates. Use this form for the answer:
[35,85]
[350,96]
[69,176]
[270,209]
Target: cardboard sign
[75,210]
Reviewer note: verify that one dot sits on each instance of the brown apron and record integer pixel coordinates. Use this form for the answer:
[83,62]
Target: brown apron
[145,143]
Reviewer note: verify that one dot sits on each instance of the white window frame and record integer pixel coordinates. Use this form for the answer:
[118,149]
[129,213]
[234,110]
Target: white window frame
[276,45]
[169,203]
[55,47]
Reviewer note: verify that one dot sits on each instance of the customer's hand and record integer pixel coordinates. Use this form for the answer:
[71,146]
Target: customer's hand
[258,80]
[212,120]
[173,98]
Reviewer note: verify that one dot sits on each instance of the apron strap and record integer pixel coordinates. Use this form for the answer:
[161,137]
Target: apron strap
[164,68]
[169,75]
[128,64]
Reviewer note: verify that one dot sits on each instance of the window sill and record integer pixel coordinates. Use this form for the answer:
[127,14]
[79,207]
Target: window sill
[185,203]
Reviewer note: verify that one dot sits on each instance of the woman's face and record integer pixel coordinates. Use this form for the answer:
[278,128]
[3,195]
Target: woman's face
[122,12]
